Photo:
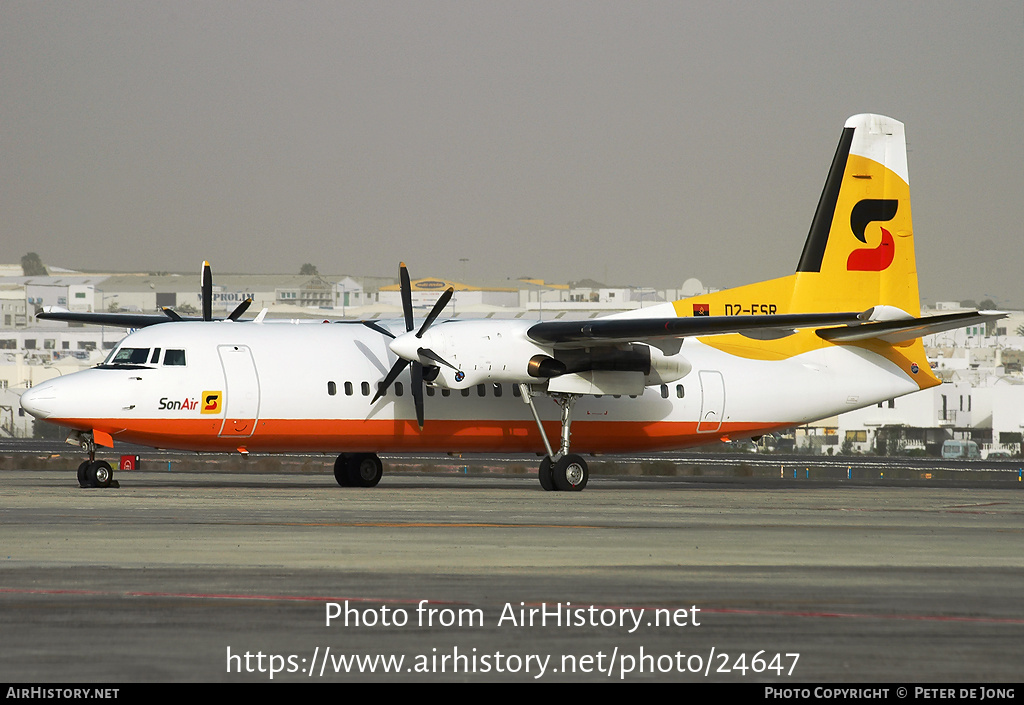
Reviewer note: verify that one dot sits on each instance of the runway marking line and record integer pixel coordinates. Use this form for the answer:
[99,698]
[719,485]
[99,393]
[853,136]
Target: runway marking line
[220,596]
[406,601]
[429,525]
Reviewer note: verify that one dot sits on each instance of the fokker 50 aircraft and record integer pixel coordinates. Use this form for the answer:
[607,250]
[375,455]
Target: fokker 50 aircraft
[841,333]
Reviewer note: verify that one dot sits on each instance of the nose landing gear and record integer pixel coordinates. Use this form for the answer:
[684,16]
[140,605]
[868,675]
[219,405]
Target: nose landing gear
[92,472]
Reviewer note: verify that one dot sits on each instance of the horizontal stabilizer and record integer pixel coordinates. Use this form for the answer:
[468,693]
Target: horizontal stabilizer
[900,331]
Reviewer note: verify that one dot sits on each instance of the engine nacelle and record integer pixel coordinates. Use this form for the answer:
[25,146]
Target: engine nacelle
[667,368]
[656,366]
[483,351]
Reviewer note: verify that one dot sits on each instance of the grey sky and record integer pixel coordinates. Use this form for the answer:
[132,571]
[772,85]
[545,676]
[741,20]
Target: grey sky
[633,142]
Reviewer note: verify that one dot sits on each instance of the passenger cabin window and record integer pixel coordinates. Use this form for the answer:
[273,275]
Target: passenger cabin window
[174,357]
[332,388]
[348,389]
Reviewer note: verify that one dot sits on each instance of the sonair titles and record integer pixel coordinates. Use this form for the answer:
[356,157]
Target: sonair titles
[211,403]
[185,404]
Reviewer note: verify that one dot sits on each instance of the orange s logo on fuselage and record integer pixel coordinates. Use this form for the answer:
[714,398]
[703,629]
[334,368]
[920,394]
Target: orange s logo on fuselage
[872,259]
[211,402]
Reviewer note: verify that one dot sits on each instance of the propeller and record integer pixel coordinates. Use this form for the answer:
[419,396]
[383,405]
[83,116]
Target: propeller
[418,373]
[206,296]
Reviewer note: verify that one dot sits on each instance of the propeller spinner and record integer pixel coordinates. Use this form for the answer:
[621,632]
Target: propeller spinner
[407,348]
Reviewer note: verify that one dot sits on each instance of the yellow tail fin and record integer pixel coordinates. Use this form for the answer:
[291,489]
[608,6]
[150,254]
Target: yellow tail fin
[860,249]
[859,252]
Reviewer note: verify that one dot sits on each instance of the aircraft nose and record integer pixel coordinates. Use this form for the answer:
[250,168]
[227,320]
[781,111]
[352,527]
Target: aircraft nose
[39,400]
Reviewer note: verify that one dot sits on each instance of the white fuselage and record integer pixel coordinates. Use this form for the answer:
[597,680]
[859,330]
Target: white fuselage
[278,387]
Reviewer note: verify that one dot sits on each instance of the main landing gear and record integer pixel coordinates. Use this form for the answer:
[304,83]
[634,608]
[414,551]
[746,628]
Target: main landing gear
[562,471]
[92,472]
[358,470]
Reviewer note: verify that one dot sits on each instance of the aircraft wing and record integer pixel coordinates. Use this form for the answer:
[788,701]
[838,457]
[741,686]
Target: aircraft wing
[902,330]
[624,330]
[118,320]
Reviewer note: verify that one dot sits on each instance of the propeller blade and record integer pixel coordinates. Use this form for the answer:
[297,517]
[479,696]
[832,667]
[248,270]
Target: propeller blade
[374,326]
[406,295]
[417,367]
[392,375]
[431,355]
[442,301]
[171,313]
[417,391]
[239,309]
[206,287]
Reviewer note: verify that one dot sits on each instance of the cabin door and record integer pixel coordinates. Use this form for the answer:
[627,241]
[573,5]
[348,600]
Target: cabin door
[712,401]
[242,391]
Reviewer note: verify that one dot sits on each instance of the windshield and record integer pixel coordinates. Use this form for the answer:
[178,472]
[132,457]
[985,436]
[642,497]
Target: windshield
[140,358]
[131,356]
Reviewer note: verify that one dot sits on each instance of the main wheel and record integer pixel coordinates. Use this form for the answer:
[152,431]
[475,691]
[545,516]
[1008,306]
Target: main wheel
[99,474]
[341,470]
[544,474]
[365,470]
[570,473]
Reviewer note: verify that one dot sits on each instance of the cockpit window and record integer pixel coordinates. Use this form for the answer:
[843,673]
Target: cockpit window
[174,357]
[131,356]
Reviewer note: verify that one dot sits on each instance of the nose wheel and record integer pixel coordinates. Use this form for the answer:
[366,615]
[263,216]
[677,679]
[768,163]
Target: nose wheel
[96,473]
[92,472]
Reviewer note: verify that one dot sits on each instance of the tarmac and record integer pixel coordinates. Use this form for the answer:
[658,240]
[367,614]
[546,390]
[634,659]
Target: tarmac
[481,577]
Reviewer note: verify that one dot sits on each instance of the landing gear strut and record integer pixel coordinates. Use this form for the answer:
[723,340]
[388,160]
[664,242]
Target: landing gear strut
[563,471]
[358,470]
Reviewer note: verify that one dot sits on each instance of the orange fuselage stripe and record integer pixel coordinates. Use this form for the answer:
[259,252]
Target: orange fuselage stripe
[316,435]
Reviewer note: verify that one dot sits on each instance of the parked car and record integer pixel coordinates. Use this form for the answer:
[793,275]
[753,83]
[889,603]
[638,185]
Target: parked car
[961,449]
